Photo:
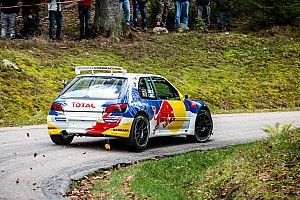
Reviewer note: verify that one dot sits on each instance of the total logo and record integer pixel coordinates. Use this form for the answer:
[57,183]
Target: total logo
[83,105]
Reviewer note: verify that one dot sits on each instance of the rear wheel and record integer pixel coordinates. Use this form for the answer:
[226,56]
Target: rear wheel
[61,139]
[203,127]
[139,134]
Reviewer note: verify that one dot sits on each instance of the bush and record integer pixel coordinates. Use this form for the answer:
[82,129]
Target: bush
[266,13]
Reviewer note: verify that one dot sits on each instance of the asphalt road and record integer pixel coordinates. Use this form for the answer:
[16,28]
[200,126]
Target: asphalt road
[32,167]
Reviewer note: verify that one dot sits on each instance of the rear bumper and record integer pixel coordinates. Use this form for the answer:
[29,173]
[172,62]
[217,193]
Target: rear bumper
[89,128]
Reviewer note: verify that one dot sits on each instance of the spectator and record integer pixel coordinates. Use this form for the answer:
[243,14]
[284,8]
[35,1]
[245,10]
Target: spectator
[55,15]
[182,9]
[9,13]
[125,6]
[162,13]
[224,14]
[84,10]
[203,8]
[31,18]
[140,6]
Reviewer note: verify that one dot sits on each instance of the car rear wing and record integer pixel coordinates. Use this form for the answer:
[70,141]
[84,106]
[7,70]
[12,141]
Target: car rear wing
[112,69]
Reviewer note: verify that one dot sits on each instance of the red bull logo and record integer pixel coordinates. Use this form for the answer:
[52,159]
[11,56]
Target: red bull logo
[165,116]
[101,127]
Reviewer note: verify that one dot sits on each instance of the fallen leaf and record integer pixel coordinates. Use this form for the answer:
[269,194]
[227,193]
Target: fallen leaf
[107,146]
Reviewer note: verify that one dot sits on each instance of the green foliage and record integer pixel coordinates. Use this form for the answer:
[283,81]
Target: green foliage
[278,128]
[267,170]
[199,25]
[263,170]
[265,13]
[169,178]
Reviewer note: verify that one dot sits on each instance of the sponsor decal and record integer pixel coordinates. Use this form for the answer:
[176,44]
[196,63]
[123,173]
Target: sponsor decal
[83,105]
[59,119]
[112,120]
[165,115]
[101,127]
[121,129]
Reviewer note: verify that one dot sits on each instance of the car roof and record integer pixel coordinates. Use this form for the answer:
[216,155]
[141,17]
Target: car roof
[121,75]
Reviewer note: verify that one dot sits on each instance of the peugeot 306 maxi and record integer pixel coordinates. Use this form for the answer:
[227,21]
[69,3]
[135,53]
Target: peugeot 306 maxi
[125,105]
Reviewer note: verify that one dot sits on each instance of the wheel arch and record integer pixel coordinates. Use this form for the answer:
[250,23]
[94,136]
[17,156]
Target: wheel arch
[204,107]
[143,113]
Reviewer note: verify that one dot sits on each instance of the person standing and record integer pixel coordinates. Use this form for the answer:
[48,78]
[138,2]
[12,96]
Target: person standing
[9,11]
[182,9]
[125,6]
[31,18]
[140,6]
[224,14]
[162,13]
[203,10]
[55,16]
[84,11]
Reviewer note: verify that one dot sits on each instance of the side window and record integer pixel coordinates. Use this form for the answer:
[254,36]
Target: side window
[146,89]
[164,89]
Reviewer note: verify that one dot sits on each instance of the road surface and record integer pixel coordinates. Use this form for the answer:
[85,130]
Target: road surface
[32,167]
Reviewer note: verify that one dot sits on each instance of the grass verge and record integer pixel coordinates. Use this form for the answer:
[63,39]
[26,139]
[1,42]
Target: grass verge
[267,169]
[228,72]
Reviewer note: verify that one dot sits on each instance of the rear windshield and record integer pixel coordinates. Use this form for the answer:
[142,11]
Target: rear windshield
[96,87]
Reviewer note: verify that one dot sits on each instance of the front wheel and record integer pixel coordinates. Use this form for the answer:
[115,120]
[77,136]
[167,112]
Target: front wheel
[61,139]
[203,127]
[139,134]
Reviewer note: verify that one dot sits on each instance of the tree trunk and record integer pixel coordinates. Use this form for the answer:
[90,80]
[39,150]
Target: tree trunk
[107,21]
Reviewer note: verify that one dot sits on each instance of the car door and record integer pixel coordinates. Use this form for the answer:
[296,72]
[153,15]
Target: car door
[147,93]
[170,115]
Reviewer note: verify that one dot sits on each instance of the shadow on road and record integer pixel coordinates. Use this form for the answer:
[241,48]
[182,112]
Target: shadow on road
[120,144]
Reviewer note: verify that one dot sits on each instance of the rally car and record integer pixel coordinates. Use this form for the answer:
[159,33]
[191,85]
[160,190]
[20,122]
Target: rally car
[125,105]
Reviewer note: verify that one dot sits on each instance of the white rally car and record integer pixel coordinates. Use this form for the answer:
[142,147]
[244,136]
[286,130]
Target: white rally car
[125,105]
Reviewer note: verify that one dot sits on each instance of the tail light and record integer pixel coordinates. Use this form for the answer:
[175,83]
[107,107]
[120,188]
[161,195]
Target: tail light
[193,104]
[56,107]
[118,108]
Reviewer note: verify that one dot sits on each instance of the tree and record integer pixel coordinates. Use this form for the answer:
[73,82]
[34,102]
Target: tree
[108,21]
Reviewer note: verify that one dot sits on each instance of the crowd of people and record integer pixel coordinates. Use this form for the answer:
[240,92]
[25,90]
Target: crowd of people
[31,15]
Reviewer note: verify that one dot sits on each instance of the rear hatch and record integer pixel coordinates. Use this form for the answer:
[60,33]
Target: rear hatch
[83,114]
[85,100]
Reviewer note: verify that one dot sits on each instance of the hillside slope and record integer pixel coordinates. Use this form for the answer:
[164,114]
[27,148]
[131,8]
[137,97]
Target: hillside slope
[229,72]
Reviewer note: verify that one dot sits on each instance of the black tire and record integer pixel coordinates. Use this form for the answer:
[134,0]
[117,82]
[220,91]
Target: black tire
[139,134]
[61,139]
[203,127]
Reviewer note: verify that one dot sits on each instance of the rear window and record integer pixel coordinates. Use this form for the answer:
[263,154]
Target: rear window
[96,87]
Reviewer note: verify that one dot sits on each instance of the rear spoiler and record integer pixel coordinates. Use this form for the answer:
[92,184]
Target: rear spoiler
[99,68]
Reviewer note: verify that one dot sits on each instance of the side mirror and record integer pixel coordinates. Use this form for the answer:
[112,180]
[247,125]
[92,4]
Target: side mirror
[186,96]
[65,83]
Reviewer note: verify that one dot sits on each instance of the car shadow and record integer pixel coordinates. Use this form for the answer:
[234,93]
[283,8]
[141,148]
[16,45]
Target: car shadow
[120,144]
